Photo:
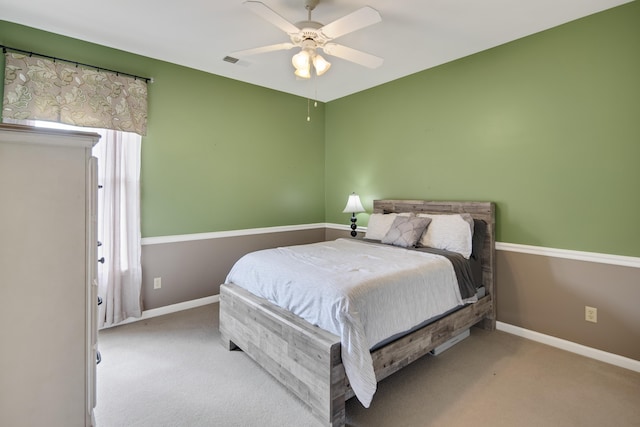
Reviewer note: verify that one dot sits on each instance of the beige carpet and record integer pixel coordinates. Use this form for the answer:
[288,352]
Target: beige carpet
[172,371]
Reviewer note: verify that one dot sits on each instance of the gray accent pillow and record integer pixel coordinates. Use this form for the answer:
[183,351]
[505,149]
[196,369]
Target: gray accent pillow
[405,231]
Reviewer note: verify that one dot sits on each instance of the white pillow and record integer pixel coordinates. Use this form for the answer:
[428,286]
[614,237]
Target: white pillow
[379,225]
[449,232]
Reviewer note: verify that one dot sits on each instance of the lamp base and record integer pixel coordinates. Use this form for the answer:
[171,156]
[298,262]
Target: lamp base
[354,233]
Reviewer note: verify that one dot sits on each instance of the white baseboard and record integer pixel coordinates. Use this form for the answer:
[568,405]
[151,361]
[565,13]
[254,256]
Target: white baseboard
[168,309]
[603,356]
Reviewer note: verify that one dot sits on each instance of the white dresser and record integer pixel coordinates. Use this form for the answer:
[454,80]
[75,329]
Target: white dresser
[48,292]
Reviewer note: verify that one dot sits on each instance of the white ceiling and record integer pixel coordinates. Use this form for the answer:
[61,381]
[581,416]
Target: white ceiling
[414,35]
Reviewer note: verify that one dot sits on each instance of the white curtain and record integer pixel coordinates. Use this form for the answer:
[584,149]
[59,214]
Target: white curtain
[120,276]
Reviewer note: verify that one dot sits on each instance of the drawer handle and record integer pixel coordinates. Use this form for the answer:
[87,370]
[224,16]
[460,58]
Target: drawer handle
[99,243]
[101,260]
[98,358]
[99,301]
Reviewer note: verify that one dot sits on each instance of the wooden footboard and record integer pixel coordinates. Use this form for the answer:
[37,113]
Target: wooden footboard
[303,357]
[307,360]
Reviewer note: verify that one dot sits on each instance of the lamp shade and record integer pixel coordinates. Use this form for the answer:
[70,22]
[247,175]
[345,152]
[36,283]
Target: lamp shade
[353,204]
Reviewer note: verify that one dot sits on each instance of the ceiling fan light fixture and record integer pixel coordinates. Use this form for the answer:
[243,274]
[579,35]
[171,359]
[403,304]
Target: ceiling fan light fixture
[310,35]
[301,60]
[303,73]
[321,65]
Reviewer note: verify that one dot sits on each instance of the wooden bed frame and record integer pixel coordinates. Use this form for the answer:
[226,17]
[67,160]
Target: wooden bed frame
[307,360]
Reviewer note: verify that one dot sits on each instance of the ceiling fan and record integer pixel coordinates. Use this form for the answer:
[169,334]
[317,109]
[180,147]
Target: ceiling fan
[310,36]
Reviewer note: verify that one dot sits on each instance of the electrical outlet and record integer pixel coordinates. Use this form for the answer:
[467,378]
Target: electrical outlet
[157,282]
[591,314]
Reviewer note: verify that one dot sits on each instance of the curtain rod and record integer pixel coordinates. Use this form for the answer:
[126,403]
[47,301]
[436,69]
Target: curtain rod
[54,59]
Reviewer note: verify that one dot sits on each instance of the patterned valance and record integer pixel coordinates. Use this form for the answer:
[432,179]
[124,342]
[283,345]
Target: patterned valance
[40,89]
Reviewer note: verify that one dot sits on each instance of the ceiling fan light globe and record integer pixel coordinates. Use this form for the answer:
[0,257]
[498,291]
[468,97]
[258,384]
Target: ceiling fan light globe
[303,73]
[321,65]
[301,60]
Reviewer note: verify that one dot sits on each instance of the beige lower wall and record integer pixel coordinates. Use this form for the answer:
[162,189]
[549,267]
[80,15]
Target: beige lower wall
[195,269]
[549,294]
[539,293]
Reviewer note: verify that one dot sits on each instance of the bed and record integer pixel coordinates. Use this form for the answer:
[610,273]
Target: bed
[310,361]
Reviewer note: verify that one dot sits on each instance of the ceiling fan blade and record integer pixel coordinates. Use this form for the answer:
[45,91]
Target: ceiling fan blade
[353,55]
[352,22]
[263,49]
[268,14]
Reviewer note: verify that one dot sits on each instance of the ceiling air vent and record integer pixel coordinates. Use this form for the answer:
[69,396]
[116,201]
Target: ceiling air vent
[230,59]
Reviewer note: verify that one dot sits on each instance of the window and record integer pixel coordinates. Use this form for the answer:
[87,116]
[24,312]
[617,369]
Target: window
[120,276]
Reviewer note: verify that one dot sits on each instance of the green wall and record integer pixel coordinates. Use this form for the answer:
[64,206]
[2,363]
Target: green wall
[219,154]
[547,126]
[225,155]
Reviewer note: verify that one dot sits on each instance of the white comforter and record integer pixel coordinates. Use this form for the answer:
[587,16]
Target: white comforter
[362,292]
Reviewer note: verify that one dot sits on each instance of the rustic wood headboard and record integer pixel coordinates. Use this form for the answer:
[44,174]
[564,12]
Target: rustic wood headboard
[484,211]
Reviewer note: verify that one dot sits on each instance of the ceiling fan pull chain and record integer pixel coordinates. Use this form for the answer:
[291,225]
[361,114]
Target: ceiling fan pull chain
[315,89]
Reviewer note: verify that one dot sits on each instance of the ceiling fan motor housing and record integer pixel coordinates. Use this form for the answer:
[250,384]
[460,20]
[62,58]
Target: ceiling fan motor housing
[309,30]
